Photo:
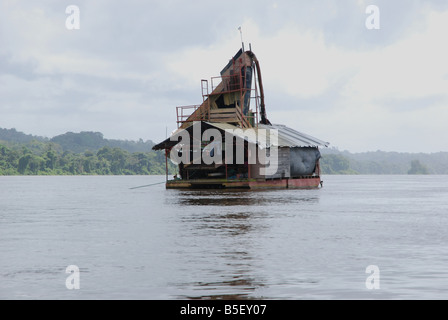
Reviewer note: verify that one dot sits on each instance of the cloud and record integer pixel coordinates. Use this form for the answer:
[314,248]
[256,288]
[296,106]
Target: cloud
[130,65]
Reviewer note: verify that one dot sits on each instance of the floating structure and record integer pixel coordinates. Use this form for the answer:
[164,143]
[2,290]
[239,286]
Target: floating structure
[228,141]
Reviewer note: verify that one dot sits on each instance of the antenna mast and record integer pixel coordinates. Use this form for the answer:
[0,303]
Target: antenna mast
[241,35]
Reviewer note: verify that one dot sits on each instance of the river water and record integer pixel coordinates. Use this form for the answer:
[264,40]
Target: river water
[152,243]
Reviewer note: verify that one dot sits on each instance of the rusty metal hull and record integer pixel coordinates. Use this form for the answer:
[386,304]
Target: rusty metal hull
[311,182]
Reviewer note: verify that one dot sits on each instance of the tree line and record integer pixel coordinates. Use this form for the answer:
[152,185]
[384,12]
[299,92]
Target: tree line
[381,162]
[48,158]
[89,153]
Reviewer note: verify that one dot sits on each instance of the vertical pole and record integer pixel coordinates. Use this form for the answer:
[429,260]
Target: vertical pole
[242,96]
[166,164]
[241,34]
[208,108]
[249,155]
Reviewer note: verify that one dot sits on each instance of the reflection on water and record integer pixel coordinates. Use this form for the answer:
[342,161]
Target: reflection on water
[232,223]
[216,198]
[238,284]
[241,197]
[228,242]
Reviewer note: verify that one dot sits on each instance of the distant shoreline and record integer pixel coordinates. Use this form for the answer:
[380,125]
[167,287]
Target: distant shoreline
[89,153]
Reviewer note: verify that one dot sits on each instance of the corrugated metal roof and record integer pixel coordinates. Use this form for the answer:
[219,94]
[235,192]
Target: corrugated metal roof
[284,136]
[288,137]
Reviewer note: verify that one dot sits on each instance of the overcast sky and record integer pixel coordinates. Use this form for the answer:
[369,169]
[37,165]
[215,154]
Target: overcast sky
[128,66]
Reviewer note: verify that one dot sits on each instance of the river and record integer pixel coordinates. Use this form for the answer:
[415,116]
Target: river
[358,237]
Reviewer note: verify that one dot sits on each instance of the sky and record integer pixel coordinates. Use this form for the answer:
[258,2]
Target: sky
[130,63]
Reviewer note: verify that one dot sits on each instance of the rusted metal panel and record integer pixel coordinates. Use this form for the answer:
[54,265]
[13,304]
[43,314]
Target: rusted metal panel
[269,184]
[300,183]
[304,183]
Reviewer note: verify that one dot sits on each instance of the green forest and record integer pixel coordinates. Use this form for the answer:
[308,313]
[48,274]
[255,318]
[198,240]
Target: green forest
[85,153]
[89,153]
